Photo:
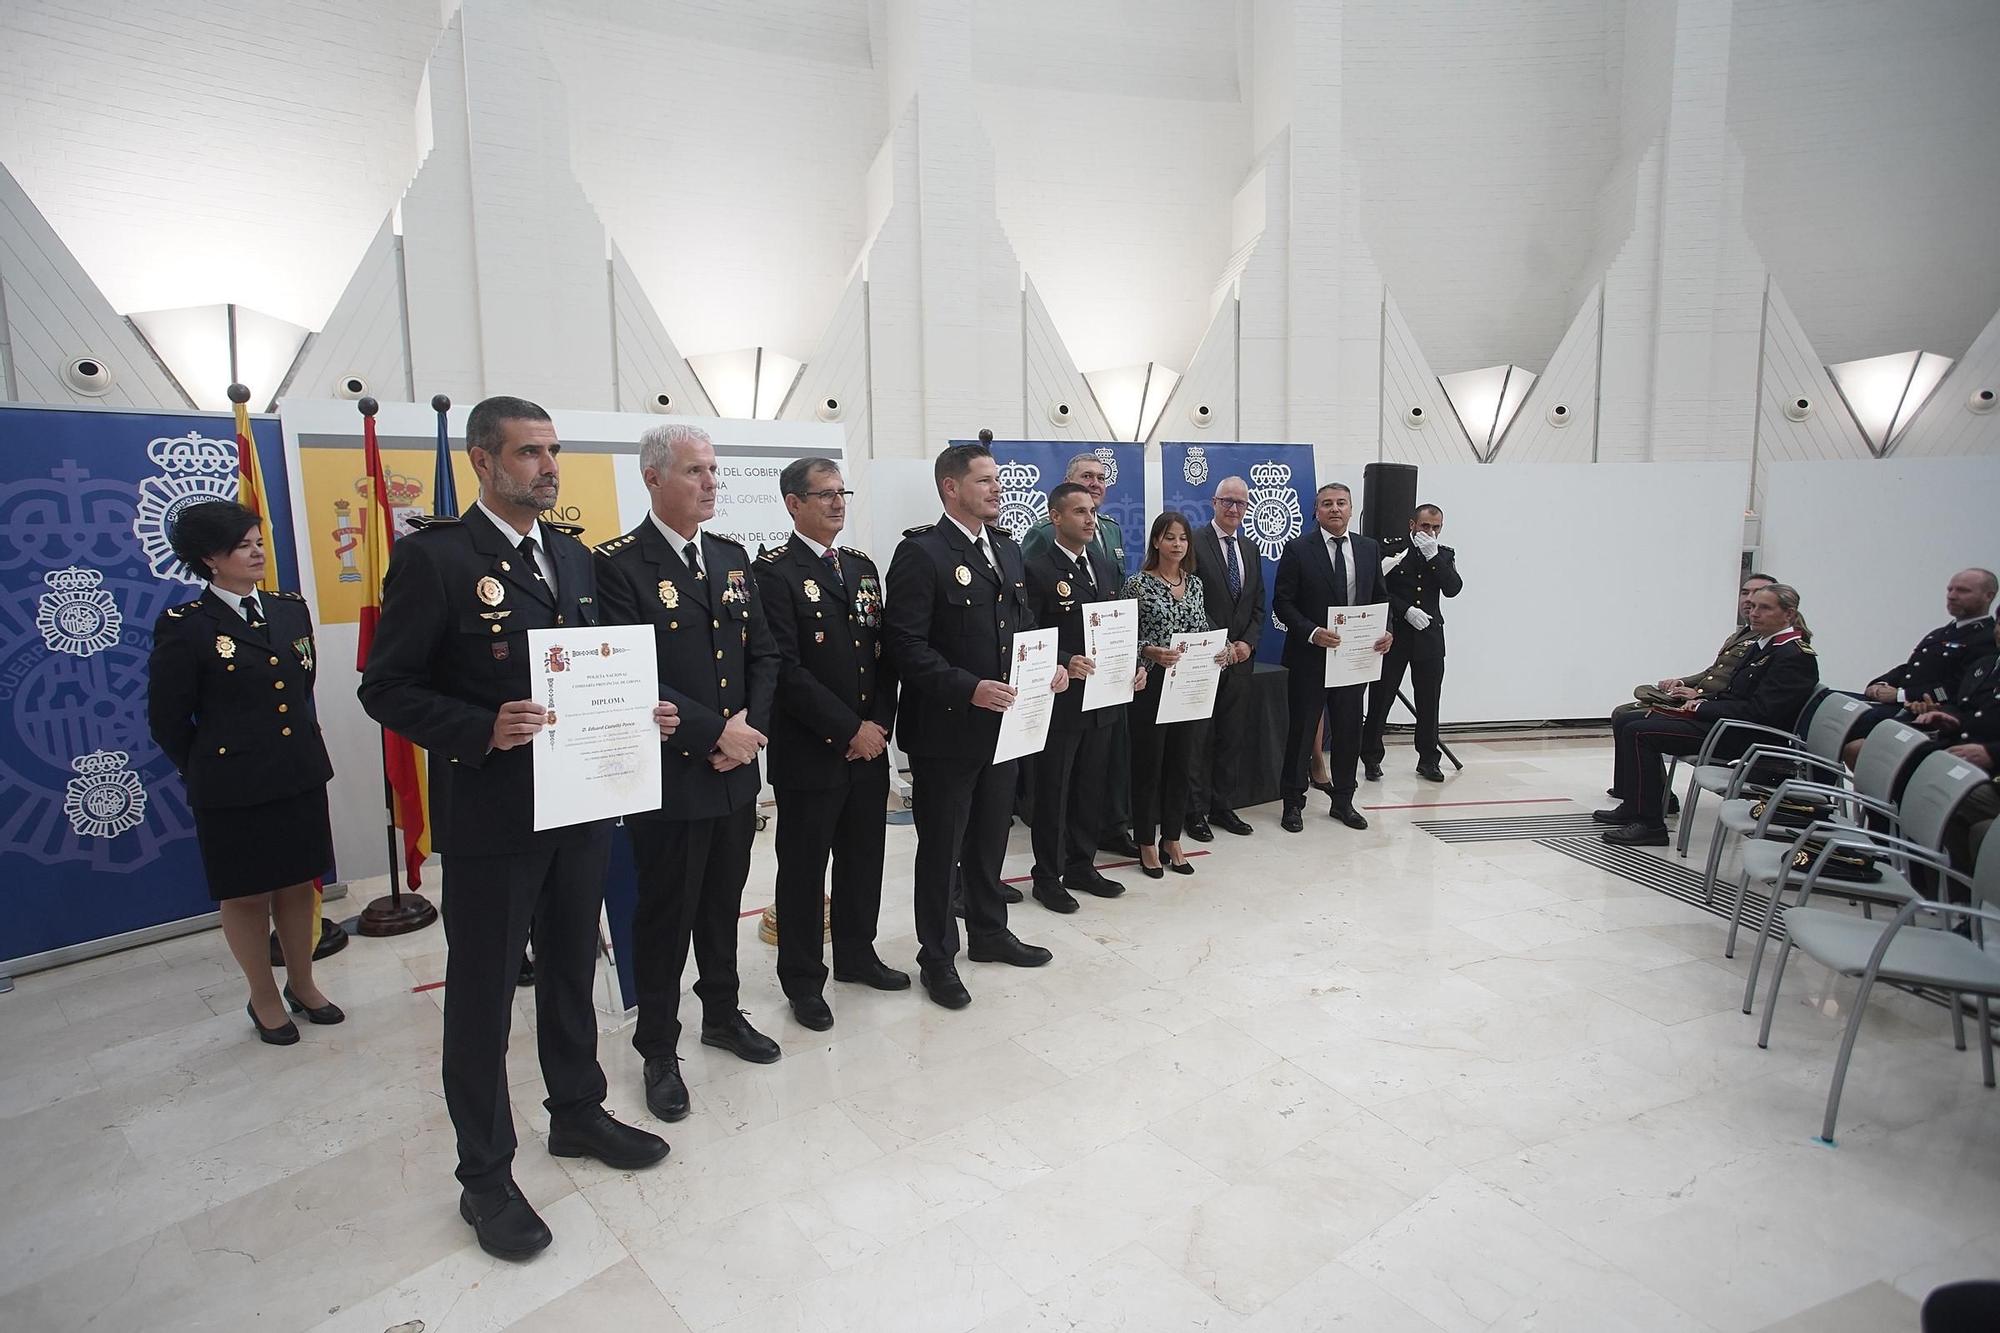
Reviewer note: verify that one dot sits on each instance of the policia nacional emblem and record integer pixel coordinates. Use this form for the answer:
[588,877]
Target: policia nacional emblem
[489,591]
[670,596]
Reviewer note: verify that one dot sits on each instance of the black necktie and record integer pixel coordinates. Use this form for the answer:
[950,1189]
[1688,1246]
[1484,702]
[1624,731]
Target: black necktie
[692,558]
[1083,569]
[253,613]
[979,545]
[527,550]
[1235,570]
[832,558]
[1340,571]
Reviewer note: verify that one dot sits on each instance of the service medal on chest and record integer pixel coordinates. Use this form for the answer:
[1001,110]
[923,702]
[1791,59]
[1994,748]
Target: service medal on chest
[489,591]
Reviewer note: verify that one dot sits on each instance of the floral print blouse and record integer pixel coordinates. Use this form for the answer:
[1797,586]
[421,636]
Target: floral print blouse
[1160,616]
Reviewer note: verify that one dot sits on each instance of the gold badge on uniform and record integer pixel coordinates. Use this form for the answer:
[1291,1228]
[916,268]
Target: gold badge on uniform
[490,591]
[225,647]
[812,591]
[819,636]
[963,575]
[304,648]
[670,596]
[1062,588]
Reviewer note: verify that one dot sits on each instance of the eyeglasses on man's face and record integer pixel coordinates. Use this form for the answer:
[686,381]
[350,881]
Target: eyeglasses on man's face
[828,497]
[1227,503]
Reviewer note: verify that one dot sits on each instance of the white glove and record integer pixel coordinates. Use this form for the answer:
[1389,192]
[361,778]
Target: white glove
[1418,617]
[1427,545]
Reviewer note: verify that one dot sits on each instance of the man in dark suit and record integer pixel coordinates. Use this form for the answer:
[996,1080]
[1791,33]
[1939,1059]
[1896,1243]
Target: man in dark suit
[718,664]
[829,752]
[1232,585]
[1931,676]
[957,596]
[449,669]
[1320,570]
[1419,572]
[1067,578]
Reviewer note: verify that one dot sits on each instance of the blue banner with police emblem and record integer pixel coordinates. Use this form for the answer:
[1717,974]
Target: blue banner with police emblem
[1281,482]
[1030,469]
[95,834]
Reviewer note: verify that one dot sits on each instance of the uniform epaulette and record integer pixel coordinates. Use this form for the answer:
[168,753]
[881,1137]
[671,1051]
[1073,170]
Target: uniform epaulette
[770,557]
[616,544]
[725,537]
[280,592]
[1806,647]
[418,522]
[857,553]
[567,529]
[918,530]
[176,612]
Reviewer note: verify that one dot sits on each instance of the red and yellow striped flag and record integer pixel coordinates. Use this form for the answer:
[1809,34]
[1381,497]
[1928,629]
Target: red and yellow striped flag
[399,757]
[250,494]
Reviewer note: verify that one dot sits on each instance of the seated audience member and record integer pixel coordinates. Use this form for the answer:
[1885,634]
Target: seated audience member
[1970,728]
[1772,686]
[1931,677]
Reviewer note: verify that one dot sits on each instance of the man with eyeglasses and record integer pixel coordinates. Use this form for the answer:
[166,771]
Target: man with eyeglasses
[829,753]
[1232,584]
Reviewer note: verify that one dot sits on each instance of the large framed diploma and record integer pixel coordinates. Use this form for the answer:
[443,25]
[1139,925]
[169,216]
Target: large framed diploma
[1111,641]
[1024,728]
[598,753]
[1190,683]
[1355,662]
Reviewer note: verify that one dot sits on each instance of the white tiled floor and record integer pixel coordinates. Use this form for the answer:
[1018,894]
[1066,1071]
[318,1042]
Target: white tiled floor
[1331,1081]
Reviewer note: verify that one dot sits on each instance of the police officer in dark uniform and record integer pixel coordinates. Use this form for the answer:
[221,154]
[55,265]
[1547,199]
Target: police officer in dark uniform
[1066,576]
[957,595]
[1931,676]
[718,665]
[1771,689]
[1424,572]
[229,696]
[829,752]
[449,669]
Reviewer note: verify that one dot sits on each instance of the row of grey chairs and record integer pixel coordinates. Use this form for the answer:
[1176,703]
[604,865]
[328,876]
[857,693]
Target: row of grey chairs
[1895,809]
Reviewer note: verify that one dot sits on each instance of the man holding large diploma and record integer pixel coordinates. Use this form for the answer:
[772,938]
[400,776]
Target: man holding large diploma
[1069,581]
[718,662]
[957,595]
[449,669]
[1320,571]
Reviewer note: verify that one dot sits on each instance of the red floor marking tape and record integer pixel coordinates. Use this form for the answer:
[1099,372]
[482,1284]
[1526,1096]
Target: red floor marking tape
[428,985]
[1443,805]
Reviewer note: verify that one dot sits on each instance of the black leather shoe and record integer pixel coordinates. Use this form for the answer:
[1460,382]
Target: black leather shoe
[1293,820]
[941,983]
[666,1093]
[1009,894]
[1673,804]
[526,976]
[1055,897]
[285,1034]
[506,1226]
[1094,884]
[1326,786]
[1199,830]
[326,1015]
[735,1035]
[875,973]
[812,1012]
[1345,812]
[1617,816]
[1637,834]
[1230,822]
[1119,843]
[1430,772]
[1372,772]
[593,1133]
[1005,948]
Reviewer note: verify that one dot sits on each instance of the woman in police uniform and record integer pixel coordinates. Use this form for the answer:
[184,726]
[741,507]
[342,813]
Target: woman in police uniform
[230,700]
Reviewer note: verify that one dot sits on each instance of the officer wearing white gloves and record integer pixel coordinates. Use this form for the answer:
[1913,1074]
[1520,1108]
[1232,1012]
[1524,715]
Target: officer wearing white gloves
[1416,572]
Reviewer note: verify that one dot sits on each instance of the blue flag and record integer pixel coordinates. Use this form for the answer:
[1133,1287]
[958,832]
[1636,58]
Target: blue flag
[444,488]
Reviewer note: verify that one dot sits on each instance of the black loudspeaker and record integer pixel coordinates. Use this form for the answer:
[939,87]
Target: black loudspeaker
[1388,498]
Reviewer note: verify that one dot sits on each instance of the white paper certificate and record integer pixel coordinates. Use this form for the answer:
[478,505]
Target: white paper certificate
[1355,662]
[1190,683]
[598,755]
[1111,641]
[1024,728]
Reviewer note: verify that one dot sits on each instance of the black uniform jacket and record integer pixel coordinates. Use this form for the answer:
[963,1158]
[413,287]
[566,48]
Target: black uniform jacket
[452,646]
[1060,598]
[1771,688]
[233,706]
[1940,660]
[1977,708]
[716,658]
[1415,581]
[833,670]
[1305,592]
[1243,614]
[951,625]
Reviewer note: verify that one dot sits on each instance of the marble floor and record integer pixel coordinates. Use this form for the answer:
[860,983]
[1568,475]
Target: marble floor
[1335,1080]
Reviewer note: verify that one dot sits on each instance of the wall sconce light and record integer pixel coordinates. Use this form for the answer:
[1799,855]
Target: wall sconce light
[1885,393]
[1486,401]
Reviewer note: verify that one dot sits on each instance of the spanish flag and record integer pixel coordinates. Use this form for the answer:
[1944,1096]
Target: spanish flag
[399,757]
[250,494]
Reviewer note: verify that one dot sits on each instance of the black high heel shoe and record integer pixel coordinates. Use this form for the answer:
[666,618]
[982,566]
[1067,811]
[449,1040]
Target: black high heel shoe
[326,1015]
[1178,867]
[285,1034]
[1152,872]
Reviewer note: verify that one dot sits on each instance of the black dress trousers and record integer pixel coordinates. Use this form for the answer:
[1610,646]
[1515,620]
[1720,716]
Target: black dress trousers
[963,808]
[845,823]
[1427,683]
[691,877]
[1161,758]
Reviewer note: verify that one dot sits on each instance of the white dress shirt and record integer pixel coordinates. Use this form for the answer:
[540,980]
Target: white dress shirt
[678,542]
[1330,547]
[980,537]
[544,563]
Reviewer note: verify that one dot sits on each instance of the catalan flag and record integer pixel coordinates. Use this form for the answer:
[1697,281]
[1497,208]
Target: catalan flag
[250,493]
[399,757]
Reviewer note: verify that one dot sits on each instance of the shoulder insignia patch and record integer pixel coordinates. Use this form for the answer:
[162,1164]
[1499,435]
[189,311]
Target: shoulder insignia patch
[857,554]
[567,529]
[616,544]
[418,522]
[918,530]
[176,612]
[770,557]
[280,592]
[728,541]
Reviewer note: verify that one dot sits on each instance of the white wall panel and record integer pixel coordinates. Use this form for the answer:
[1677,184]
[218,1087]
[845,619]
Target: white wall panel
[364,334]
[1571,380]
[648,362]
[838,369]
[1050,376]
[1407,382]
[1792,370]
[1210,380]
[1946,425]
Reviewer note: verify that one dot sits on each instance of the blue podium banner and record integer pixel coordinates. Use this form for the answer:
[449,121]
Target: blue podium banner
[1030,469]
[95,834]
[1281,482]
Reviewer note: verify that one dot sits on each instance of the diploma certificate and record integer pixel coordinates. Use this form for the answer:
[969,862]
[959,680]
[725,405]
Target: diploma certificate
[598,753]
[1111,641]
[1190,683]
[1024,728]
[1355,662]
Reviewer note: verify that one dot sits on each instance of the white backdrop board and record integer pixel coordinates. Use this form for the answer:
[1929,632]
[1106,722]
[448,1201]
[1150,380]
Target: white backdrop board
[1582,580]
[1870,544]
